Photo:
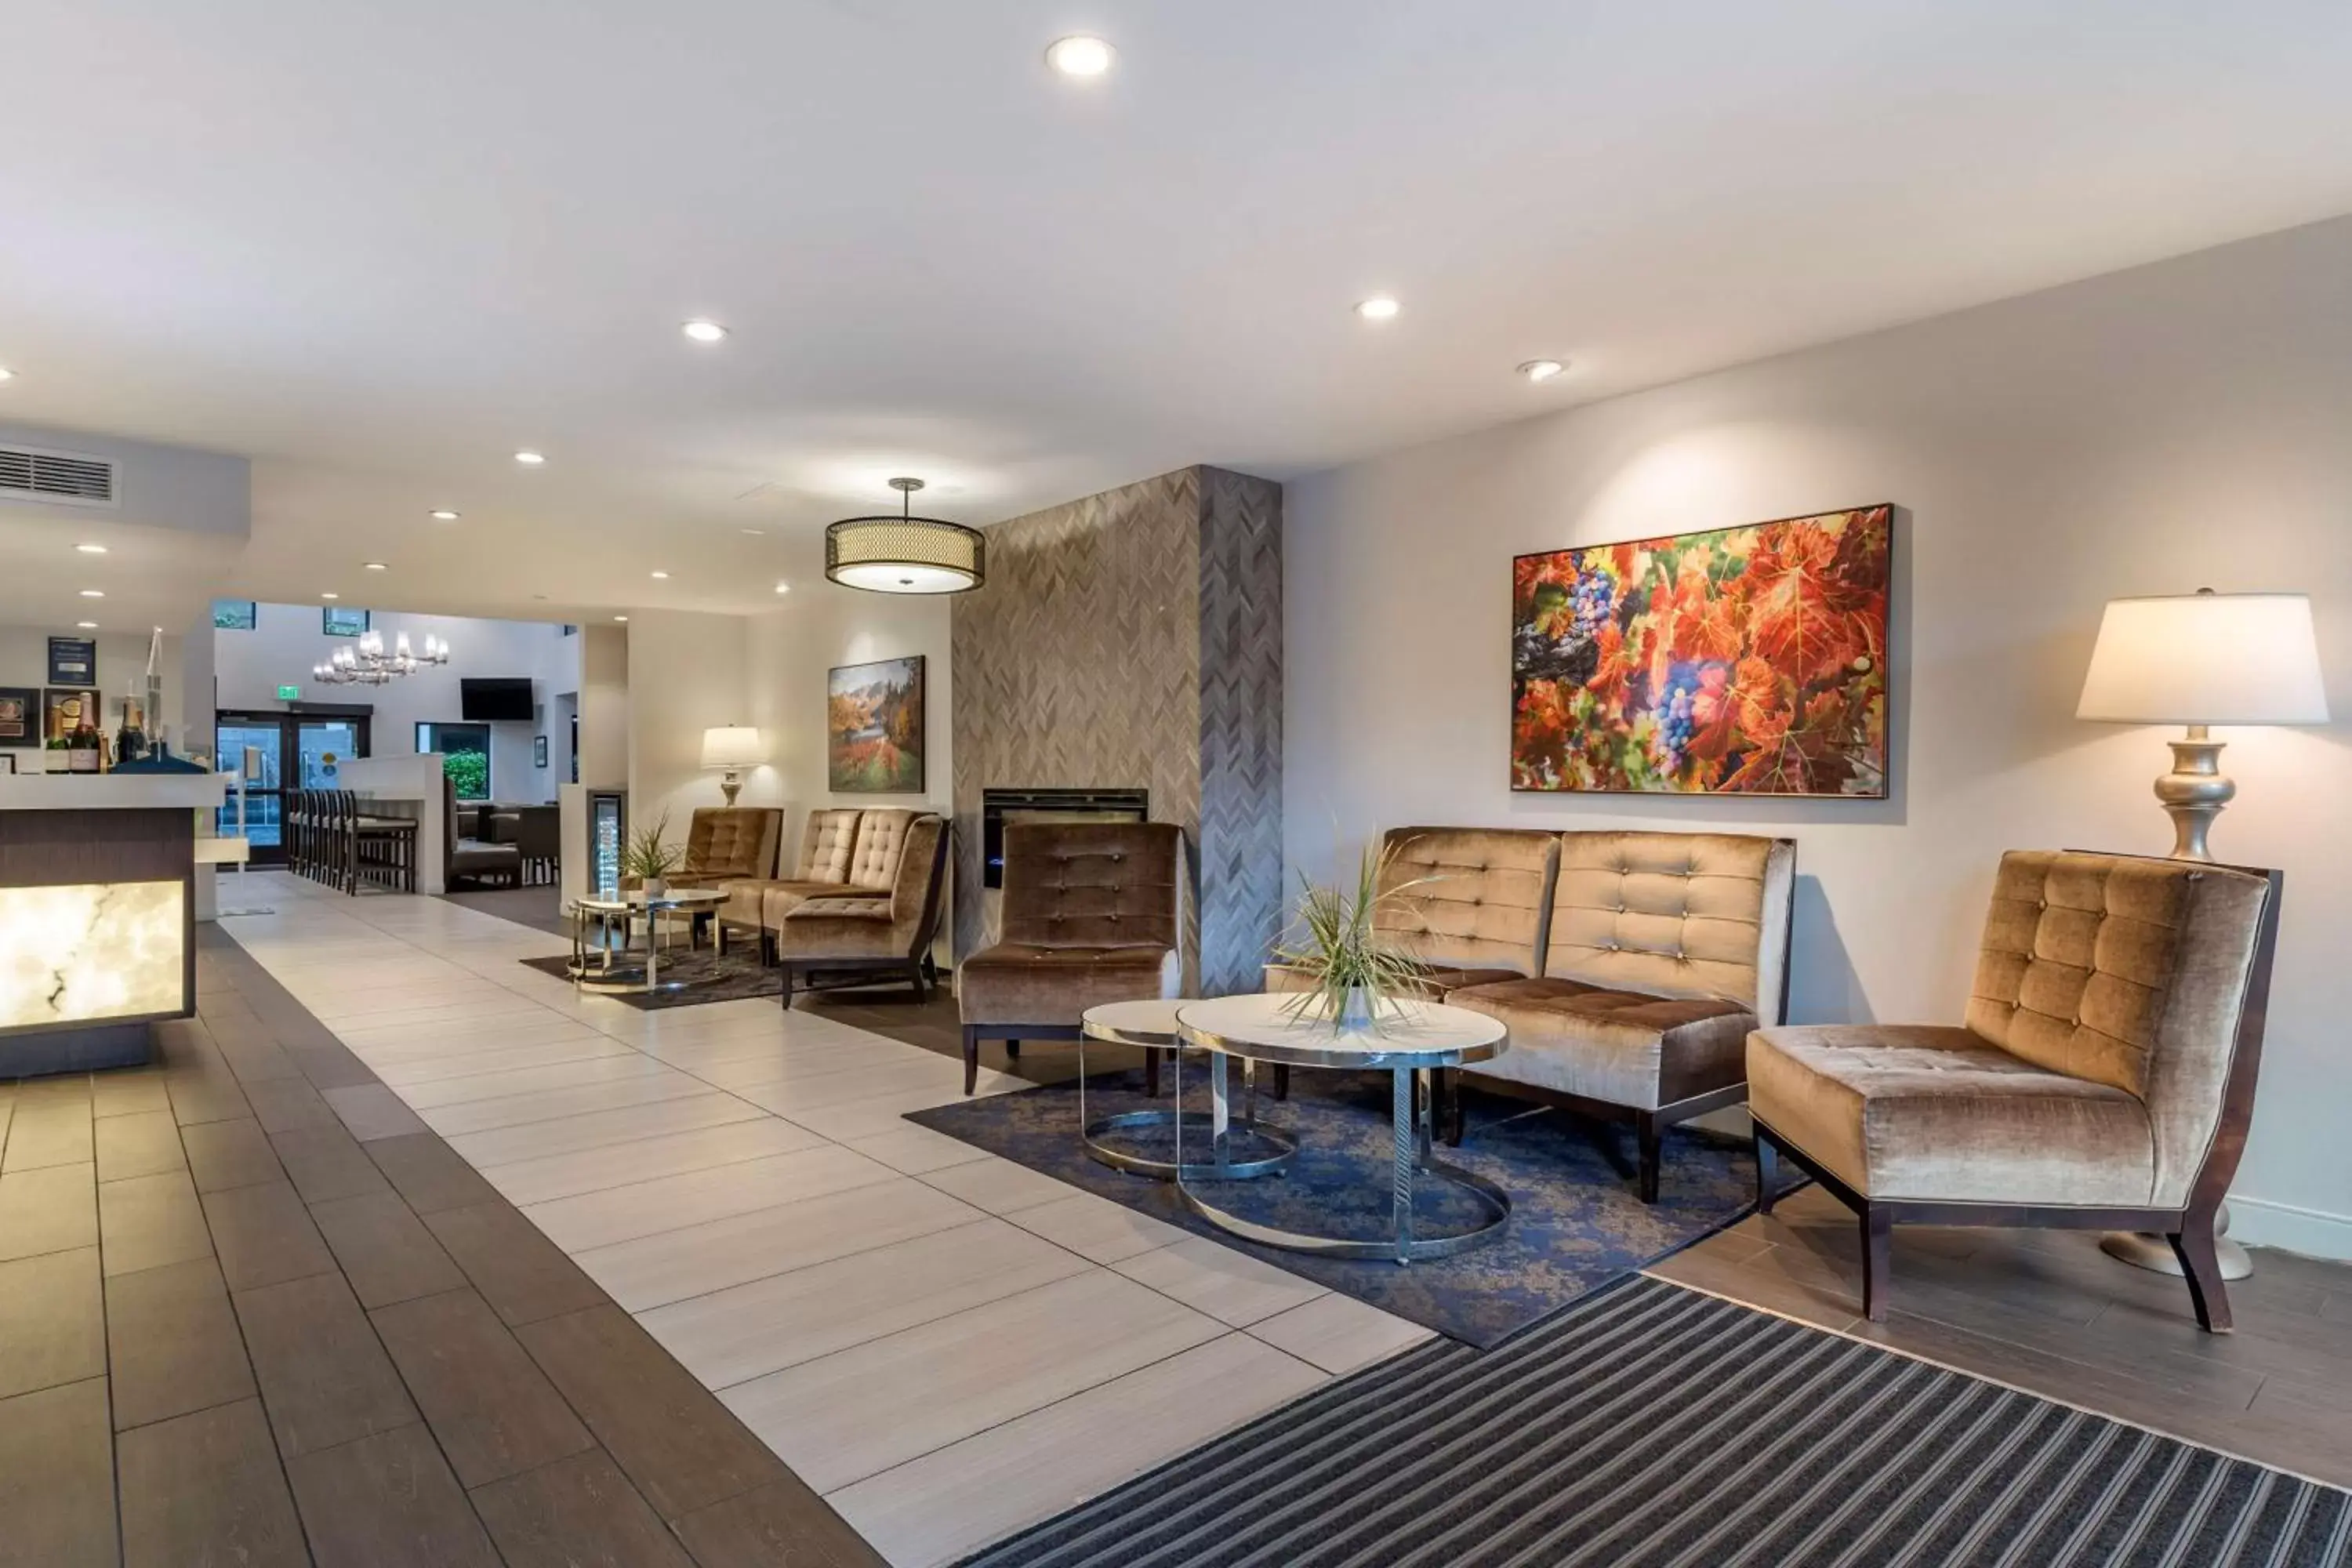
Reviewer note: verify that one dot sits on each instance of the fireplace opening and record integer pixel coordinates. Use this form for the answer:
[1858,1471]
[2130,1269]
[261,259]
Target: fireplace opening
[1000,807]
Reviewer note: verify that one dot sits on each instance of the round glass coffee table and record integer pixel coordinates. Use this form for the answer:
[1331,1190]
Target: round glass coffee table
[1152,1025]
[600,966]
[1407,1043]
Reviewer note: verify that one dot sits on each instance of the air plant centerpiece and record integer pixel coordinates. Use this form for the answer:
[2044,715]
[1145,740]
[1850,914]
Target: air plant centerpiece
[650,861]
[1354,973]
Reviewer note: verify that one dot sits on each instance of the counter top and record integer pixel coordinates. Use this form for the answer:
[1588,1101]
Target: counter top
[110,791]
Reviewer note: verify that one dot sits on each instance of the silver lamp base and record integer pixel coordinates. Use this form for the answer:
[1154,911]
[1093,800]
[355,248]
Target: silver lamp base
[2144,1249]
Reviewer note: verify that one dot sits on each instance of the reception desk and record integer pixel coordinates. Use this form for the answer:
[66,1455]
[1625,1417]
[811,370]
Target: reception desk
[97,915]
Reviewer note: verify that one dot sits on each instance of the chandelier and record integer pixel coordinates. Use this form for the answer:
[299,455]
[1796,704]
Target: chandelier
[904,554]
[366,663]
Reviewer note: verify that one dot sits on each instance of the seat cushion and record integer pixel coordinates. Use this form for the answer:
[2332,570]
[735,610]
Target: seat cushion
[854,928]
[778,900]
[1439,980]
[1915,1111]
[1622,1047]
[1023,982]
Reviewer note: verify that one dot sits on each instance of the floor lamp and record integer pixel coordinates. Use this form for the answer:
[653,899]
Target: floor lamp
[2201,660]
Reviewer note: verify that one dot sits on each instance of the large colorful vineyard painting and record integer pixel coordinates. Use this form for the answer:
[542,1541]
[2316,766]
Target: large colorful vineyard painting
[1743,661]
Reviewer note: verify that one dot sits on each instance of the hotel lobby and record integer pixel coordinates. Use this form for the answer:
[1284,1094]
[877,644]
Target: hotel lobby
[1607,831]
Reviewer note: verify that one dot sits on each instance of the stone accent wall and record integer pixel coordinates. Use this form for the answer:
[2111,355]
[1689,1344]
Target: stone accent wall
[1134,639]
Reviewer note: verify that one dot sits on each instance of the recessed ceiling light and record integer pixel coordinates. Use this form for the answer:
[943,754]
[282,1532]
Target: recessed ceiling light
[1541,369]
[703,332]
[91,549]
[6,375]
[624,619]
[531,459]
[374,565]
[93,594]
[661,577]
[754,532]
[85,625]
[1378,308]
[442,514]
[330,595]
[1081,54]
[783,587]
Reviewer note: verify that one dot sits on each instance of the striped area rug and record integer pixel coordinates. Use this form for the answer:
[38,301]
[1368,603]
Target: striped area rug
[1654,1425]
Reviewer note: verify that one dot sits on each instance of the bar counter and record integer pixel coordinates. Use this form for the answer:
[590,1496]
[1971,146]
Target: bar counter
[97,915]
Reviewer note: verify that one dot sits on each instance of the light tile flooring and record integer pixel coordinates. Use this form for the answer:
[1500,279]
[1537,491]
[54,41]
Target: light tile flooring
[947,1345]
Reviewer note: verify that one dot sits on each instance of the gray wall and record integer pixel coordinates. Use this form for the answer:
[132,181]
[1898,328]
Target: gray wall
[2149,432]
[1133,639]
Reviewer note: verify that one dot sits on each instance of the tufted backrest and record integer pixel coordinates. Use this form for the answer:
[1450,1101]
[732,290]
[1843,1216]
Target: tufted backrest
[732,841]
[1094,884]
[1676,914]
[2128,971]
[825,844]
[881,845]
[1483,899]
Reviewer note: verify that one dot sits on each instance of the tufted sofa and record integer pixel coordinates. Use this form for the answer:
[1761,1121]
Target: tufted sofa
[1093,912]
[871,935]
[845,853]
[2103,1074]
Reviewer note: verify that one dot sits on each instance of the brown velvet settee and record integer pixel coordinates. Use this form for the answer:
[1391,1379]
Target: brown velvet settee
[2102,1077]
[845,853]
[1093,912]
[1629,967]
[856,940]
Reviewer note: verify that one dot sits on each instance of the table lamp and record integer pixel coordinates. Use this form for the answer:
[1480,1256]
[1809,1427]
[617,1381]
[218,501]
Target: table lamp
[2198,659]
[733,747]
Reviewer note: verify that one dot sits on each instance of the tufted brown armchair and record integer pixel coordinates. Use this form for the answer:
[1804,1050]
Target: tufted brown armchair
[2103,1076]
[726,846]
[1660,952]
[828,843]
[1466,906]
[879,934]
[1093,912]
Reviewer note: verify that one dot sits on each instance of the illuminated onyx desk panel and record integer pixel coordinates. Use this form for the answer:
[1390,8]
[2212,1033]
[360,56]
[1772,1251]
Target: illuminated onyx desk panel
[97,915]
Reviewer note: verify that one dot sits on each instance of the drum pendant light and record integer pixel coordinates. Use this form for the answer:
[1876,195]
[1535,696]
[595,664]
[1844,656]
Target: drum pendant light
[904,554]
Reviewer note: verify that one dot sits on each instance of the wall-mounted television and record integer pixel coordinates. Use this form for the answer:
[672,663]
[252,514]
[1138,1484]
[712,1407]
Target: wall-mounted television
[493,702]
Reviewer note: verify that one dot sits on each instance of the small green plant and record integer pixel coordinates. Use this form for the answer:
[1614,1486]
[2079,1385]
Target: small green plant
[1334,945]
[646,857]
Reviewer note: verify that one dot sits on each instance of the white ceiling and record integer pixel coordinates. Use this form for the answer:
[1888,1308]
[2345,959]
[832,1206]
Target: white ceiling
[380,246]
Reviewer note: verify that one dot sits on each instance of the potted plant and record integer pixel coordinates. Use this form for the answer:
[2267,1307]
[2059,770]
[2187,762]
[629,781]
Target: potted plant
[650,861]
[1332,943]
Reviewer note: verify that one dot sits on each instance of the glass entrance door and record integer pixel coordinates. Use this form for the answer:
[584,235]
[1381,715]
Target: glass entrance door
[292,752]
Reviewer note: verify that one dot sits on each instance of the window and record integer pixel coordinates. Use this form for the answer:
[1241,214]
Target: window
[465,755]
[337,622]
[234,615]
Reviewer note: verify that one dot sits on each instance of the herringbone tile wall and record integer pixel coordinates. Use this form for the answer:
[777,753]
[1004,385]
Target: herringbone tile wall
[1081,664]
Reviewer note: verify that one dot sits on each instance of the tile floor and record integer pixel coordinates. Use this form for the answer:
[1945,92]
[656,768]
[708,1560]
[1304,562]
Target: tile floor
[946,1345]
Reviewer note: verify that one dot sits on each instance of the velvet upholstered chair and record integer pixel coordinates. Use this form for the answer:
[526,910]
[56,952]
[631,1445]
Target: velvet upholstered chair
[2103,1076]
[857,940]
[1093,912]
[845,853]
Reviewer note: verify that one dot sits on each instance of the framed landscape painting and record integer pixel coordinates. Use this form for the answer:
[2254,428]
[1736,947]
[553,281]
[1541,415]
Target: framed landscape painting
[874,727]
[1742,661]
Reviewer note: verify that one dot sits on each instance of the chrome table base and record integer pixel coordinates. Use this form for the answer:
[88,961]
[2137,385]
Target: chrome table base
[1220,1165]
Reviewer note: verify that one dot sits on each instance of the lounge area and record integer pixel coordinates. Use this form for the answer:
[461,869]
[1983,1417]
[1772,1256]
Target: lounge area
[930,786]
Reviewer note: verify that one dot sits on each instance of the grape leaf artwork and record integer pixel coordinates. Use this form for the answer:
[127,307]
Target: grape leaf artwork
[1741,661]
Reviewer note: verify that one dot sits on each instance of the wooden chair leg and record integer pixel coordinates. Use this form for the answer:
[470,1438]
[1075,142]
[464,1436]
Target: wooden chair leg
[787,988]
[1151,1072]
[971,1059]
[1282,1081]
[1012,1050]
[1878,1260]
[1768,1170]
[2193,1245]
[1646,1139]
[1447,1086]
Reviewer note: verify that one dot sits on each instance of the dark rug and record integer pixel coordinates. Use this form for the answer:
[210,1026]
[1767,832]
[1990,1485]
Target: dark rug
[1656,1425]
[1575,1223]
[708,977]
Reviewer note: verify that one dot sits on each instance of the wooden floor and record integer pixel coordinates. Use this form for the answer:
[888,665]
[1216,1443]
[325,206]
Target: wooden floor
[252,1311]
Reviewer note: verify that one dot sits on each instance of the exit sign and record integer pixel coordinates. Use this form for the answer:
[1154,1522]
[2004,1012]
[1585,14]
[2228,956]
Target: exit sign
[290,694]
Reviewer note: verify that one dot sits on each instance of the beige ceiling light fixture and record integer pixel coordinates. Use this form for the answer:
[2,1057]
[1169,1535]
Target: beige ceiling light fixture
[1378,308]
[1540,371]
[91,549]
[904,554]
[442,514]
[375,566]
[85,625]
[783,587]
[661,577]
[1081,55]
[703,332]
[530,460]
[622,619]
[93,592]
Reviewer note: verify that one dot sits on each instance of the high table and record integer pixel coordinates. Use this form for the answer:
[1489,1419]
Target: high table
[1406,1041]
[97,915]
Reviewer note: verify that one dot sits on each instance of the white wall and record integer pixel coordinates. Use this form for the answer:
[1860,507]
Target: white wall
[604,706]
[287,641]
[2177,426]
[686,674]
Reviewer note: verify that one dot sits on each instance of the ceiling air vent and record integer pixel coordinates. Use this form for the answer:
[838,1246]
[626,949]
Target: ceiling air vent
[57,478]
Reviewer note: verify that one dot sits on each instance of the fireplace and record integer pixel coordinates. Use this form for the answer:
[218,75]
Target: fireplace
[1000,807]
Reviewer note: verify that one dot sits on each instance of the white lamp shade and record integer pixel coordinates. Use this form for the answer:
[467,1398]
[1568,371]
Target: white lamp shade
[733,746]
[2206,659]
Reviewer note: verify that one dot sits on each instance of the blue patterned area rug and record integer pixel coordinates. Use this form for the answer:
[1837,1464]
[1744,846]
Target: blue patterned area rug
[1576,1224]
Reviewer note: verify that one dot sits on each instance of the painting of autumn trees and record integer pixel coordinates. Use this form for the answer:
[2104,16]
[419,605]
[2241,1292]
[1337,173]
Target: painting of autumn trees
[1743,661]
[874,727]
